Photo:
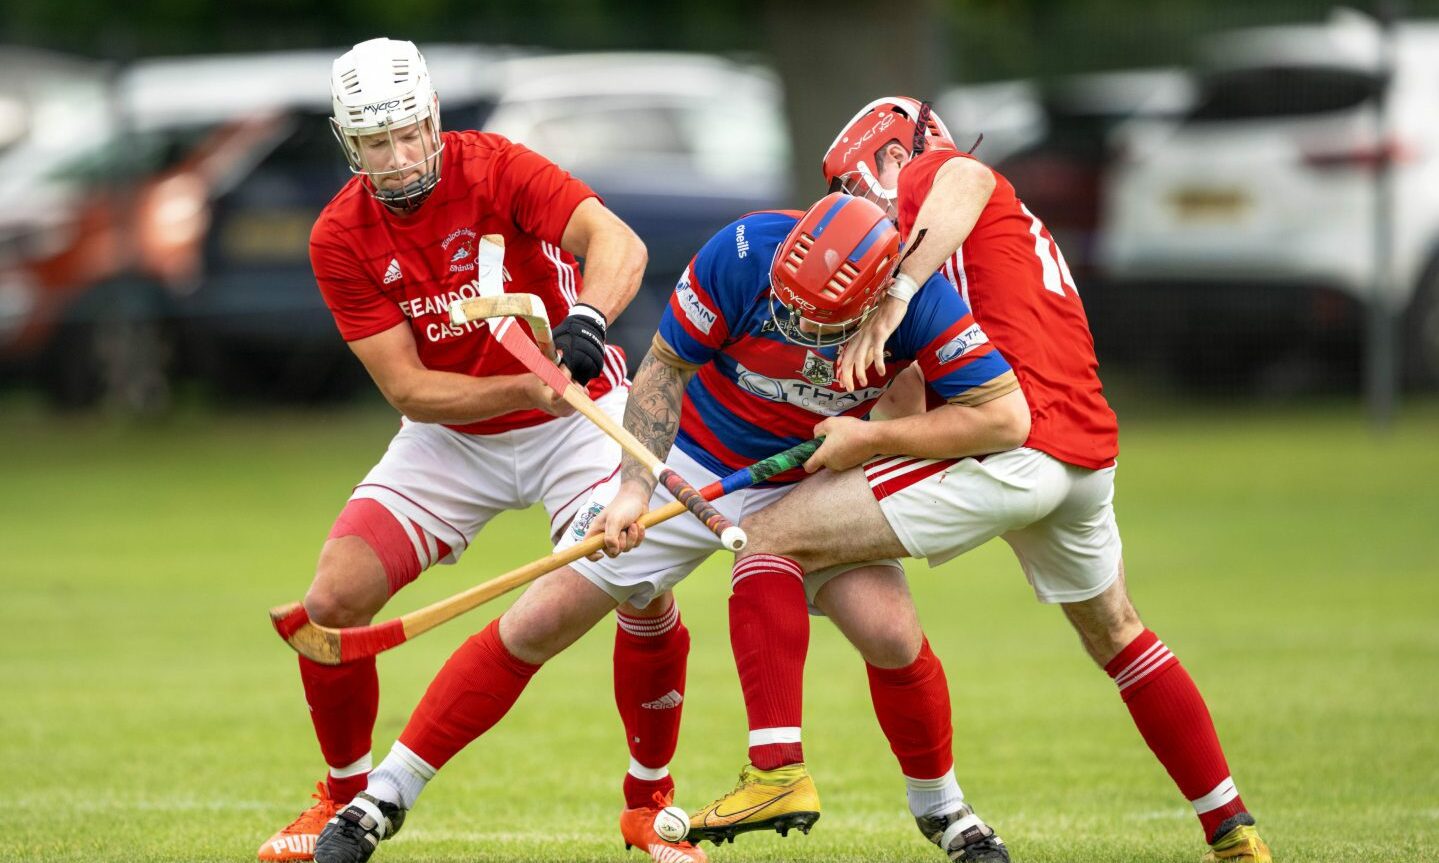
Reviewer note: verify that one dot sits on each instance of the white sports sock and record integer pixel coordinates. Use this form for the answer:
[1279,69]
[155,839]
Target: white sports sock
[929,797]
[400,777]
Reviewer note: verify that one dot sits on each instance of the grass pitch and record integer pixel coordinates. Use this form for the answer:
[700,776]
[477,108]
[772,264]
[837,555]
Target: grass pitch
[149,713]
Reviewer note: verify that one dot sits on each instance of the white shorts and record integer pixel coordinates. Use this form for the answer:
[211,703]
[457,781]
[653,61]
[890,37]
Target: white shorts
[671,550]
[452,483]
[1058,518]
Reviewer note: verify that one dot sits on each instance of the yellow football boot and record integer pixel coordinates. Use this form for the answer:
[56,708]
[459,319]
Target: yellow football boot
[1240,845]
[781,800]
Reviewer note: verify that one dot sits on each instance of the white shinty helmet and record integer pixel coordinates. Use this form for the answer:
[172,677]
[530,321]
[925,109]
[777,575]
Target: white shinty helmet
[381,87]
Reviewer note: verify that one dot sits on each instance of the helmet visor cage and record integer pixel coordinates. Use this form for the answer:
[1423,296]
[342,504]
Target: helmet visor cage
[401,161]
[800,330]
[862,183]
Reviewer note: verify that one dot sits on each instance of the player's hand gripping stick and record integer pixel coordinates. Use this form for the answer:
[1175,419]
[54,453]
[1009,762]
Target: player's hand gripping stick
[332,646]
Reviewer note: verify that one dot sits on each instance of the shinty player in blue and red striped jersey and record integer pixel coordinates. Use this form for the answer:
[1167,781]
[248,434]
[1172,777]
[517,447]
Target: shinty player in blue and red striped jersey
[743,366]
[756,392]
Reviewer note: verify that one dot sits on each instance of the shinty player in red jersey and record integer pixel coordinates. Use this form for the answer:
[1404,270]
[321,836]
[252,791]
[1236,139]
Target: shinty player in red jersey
[480,435]
[1050,499]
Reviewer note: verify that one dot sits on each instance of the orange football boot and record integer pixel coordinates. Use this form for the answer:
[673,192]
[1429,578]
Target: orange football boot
[297,841]
[638,827]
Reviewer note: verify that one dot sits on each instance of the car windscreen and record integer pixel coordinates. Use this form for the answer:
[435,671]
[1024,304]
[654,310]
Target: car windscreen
[1284,91]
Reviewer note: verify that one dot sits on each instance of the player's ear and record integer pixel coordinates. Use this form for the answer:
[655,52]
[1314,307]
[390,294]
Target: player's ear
[894,152]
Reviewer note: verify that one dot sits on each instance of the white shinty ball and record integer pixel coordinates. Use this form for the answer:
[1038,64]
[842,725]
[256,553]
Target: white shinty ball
[672,824]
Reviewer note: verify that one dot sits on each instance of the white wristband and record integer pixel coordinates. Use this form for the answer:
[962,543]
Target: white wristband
[903,287]
[588,311]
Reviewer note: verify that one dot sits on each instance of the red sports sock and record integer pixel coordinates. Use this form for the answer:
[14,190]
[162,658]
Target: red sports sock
[912,705]
[476,687]
[1174,721]
[650,659]
[343,702]
[769,633]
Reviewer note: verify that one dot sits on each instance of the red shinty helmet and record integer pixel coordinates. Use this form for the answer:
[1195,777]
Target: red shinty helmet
[850,163]
[828,274]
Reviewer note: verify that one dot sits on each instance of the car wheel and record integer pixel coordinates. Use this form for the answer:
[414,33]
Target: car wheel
[1421,333]
[117,351]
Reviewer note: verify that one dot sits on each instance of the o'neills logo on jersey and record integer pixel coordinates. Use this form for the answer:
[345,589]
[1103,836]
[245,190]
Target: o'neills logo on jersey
[803,394]
[741,245]
[699,314]
[969,339]
[459,246]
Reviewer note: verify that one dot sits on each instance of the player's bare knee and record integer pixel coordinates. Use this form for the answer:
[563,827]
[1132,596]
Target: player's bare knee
[349,586]
[329,604]
[892,646]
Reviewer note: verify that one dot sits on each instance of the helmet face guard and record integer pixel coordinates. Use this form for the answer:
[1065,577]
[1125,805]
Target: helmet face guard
[387,120]
[827,277]
[862,183]
[402,197]
[799,330]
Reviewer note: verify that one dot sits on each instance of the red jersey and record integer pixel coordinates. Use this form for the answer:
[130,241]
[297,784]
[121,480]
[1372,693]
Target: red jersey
[377,269]
[1013,276]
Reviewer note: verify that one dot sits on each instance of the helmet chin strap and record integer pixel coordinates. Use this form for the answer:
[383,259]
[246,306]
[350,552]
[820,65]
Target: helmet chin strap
[921,129]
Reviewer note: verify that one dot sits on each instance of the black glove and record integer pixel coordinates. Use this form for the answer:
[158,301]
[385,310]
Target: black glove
[580,339]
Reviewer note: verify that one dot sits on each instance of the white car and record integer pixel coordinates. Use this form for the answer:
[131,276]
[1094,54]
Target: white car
[1253,216]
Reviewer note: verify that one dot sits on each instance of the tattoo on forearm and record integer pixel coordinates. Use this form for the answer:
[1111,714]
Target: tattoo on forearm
[653,413]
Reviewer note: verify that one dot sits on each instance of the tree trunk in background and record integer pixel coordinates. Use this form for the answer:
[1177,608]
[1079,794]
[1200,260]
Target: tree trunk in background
[833,60]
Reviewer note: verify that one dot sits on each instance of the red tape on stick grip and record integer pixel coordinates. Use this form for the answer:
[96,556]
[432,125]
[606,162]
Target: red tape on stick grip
[289,621]
[369,640]
[730,536]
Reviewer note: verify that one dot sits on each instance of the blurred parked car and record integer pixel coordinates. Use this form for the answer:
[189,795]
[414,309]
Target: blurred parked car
[678,145]
[191,213]
[1009,114]
[1060,172]
[1246,231]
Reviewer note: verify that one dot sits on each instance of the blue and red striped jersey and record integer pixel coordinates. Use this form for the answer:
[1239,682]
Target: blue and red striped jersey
[755,393]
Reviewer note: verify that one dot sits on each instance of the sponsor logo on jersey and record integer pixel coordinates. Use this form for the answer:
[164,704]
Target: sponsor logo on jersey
[741,245]
[460,246]
[818,370]
[699,314]
[803,394]
[969,339]
[392,272]
[669,701]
